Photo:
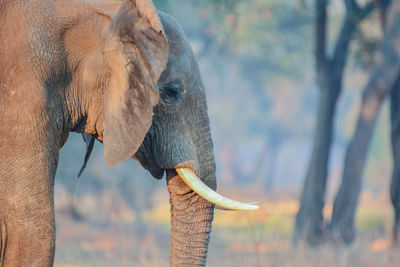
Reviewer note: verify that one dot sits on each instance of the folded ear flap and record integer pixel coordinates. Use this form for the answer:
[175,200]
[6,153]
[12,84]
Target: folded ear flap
[136,52]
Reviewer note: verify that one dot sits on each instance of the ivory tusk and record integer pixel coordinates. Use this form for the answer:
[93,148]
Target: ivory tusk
[249,203]
[203,190]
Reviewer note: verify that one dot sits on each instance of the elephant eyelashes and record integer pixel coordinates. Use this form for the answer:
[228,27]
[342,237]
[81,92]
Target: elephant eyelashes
[171,93]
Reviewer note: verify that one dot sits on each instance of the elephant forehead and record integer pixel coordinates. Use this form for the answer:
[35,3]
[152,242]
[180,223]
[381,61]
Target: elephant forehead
[175,35]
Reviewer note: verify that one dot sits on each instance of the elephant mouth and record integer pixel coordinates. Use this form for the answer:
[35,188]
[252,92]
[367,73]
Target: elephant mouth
[156,171]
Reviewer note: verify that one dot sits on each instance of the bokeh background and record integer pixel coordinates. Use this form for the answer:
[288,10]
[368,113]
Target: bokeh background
[258,62]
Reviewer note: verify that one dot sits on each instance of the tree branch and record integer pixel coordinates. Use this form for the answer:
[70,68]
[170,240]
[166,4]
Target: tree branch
[383,6]
[354,15]
[366,11]
[320,40]
[351,5]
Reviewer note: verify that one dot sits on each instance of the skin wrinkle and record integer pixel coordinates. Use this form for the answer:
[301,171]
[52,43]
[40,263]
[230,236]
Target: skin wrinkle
[185,223]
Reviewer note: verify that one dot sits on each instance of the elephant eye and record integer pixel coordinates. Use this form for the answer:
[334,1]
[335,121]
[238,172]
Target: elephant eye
[171,93]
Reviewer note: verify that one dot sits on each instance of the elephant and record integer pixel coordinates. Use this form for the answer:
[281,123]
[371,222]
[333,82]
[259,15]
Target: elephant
[122,73]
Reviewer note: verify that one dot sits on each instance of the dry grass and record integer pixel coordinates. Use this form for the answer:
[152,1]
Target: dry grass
[111,235]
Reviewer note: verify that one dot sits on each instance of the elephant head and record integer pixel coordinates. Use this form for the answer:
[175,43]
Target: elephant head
[179,137]
[179,140]
[111,70]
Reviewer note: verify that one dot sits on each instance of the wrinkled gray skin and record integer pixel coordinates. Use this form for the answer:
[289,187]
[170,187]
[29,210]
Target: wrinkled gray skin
[55,90]
[180,136]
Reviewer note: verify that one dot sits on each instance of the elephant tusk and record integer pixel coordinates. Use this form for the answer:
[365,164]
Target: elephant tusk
[253,203]
[221,202]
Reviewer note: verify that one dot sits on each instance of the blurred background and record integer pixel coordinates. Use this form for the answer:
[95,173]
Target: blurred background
[299,96]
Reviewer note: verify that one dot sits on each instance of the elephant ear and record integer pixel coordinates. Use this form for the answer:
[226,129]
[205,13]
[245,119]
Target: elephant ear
[136,52]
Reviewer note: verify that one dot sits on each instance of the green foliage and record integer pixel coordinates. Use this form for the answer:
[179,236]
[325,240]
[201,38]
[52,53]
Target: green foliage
[267,37]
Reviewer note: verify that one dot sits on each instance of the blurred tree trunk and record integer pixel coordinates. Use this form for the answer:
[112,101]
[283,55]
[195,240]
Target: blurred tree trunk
[395,138]
[329,71]
[384,76]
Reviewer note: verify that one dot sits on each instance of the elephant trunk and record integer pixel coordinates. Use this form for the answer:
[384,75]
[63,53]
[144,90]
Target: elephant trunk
[191,214]
[191,218]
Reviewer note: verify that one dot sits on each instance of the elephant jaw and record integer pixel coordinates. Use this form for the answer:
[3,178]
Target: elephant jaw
[221,202]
